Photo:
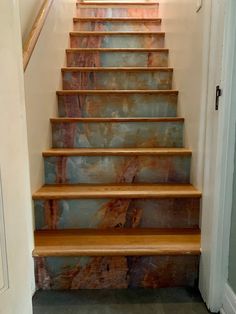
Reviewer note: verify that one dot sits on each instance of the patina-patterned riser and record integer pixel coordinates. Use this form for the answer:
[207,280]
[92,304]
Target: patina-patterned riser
[136,12]
[117,169]
[116,272]
[117,79]
[123,26]
[117,40]
[117,213]
[117,105]
[117,58]
[117,134]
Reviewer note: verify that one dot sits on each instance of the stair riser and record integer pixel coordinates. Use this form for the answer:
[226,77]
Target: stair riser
[118,134]
[102,80]
[118,41]
[134,12]
[116,272]
[112,59]
[113,105]
[122,26]
[113,213]
[117,169]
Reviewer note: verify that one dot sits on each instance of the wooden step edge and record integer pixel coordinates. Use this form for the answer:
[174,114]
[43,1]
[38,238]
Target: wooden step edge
[116,92]
[125,242]
[95,33]
[116,19]
[125,191]
[126,69]
[78,50]
[116,120]
[64,152]
[111,3]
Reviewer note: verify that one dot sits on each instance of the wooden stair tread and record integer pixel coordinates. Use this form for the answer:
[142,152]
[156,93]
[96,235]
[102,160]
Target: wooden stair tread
[106,69]
[113,242]
[115,151]
[117,191]
[116,3]
[117,91]
[93,33]
[117,19]
[118,120]
[118,49]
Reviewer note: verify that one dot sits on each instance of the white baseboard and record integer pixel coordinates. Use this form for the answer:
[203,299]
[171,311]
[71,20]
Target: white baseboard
[229,301]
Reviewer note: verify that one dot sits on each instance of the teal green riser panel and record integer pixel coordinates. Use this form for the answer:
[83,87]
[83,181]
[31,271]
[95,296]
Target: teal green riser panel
[116,272]
[117,169]
[117,79]
[117,58]
[118,105]
[117,213]
[122,26]
[151,40]
[117,134]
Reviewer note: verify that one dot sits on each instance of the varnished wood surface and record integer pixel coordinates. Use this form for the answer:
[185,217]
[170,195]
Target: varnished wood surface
[118,120]
[35,32]
[118,49]
[111,3]
[118,92]
[117,19]
[115,69]
[95,33]
[116,152]
[115,242]
[117,191]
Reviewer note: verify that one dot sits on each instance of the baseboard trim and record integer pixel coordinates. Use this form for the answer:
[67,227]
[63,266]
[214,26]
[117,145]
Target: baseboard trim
[229,301]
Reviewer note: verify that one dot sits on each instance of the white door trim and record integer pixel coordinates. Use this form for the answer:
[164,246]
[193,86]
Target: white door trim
[219,158]
[229,301]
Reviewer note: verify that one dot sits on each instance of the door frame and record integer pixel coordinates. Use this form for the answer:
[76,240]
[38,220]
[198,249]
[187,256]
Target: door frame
[219,155]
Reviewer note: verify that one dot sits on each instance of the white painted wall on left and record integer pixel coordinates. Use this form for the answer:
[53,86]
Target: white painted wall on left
[42,80]
[16,236]
[28,12]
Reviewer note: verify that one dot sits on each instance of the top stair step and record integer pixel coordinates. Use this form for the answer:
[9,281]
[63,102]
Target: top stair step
[137,10]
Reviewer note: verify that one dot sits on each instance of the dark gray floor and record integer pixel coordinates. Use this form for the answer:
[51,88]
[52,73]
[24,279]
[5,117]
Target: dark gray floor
[137,301]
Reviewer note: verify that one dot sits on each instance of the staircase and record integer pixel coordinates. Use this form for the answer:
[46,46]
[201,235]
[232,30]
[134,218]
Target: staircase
[117,209]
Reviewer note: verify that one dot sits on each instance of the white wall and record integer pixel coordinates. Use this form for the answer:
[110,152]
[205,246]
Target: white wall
[185,37]
[28,12]
[42,79]
[15,197]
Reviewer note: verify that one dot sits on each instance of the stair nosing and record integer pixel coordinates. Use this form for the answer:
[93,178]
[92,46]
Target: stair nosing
[118,49]
[117,19]
[65,152]
[126,69]
[124,241]
[117,91]
[117,3]
[115,120]
[126,191]
[93,33]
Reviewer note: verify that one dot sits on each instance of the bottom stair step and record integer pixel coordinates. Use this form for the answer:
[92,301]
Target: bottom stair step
[117,242]
[69,259]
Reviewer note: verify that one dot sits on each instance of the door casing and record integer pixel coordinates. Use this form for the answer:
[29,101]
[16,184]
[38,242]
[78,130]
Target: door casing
[219,154]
